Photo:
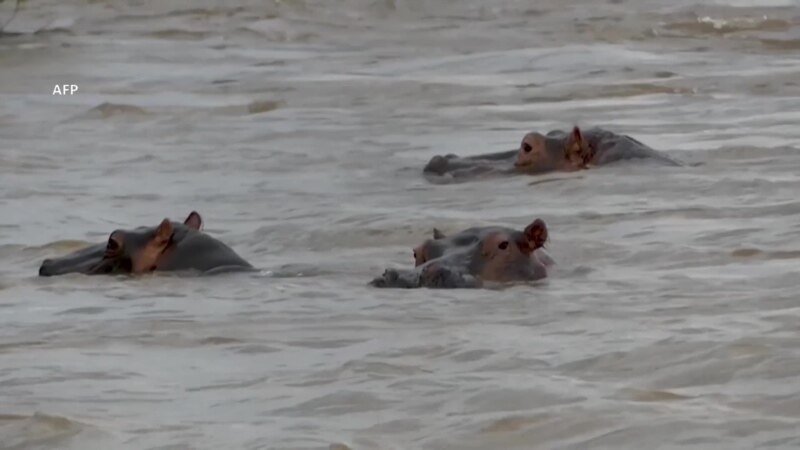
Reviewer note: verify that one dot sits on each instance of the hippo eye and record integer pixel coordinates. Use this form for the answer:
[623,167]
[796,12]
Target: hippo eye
[526,147]
[503,245]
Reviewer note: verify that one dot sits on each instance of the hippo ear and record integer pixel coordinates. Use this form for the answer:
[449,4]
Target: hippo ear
[419,255]
[194,221]
[577,151]
[536,234]
[577,137]
[437,234]
[163,232]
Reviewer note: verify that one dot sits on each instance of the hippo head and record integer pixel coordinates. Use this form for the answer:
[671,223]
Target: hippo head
[468,258]
[430,249]
[540,153]
[134,251]
[533,151]
[577,151]
[506,255]
[421,254]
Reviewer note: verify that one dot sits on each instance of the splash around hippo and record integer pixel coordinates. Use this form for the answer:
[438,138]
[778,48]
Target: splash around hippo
[556,151]
[472,257]
[170,246]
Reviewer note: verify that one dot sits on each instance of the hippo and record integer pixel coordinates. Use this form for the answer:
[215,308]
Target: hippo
[472,257]
[556,151]
[170,246]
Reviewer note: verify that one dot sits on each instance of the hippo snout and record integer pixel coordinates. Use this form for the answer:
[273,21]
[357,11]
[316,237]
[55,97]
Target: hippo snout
[438,165]
[389,277]
[45,269]
[393,278]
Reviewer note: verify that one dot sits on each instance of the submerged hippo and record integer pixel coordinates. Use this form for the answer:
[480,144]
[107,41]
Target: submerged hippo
[472,257]
[555,151]
[170,246]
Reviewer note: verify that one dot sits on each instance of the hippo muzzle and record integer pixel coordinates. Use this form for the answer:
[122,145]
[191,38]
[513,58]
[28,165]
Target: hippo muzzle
[85,261]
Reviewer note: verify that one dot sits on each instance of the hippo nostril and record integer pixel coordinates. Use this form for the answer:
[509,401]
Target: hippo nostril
[526,147]
[503,245]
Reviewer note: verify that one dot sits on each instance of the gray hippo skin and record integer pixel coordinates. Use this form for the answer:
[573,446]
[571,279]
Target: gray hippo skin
[556,151]
[472,257]
[171,246]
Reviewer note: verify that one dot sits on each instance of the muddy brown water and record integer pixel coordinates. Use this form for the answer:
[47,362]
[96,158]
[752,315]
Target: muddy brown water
[298,130]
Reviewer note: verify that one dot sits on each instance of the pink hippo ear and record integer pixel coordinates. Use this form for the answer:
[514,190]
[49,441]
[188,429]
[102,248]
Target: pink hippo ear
[536,234]
[419,255]
[577,151]
[163,232]
[194,221]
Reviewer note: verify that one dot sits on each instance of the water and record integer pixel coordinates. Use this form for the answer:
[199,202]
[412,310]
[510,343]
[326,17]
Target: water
[298,129]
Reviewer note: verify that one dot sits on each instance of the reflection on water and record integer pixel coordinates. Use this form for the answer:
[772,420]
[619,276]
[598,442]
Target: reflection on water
[298,129]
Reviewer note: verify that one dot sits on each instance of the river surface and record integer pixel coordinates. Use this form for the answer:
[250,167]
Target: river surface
[298,130]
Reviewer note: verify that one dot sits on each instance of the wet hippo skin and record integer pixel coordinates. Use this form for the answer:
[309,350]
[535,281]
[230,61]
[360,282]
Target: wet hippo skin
[472,257]
[556,151]
[170,246]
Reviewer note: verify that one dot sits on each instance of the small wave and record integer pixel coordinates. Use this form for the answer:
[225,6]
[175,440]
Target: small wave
[278,30]
[339,446]
[747,152]
[86,310]
[205,13]
[107,110]
[754,253]
[338,403]
[260,106]
[634,89]
[781,44]
[232,385]
[550,180]
[179,35]
[706,25]
[254,107]
[63,245]
[40,429]
[295,271]
[514,423]
[23,162]
[8,11]
[148,14]
[622,90]
[219,340]
[652,395]
[377,368]
[511,400]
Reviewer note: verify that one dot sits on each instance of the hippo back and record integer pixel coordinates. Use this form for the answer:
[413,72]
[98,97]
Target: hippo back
[612,147]
[199,251]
